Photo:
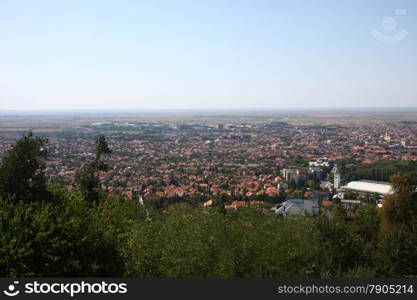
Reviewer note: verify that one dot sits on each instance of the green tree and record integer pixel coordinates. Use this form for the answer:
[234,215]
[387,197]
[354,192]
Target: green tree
[64,237]
[22,172]
[88,177]
[102,149]
[365,225]
[399,210]
[397,249]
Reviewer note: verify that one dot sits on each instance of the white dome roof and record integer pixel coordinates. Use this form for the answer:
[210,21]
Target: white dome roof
[370,187]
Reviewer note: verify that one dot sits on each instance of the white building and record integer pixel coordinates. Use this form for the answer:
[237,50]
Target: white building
[294,174]
[320,162]
[298,174]
[371,187]
[293,207]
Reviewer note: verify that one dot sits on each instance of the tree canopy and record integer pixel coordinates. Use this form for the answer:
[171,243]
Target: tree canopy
[87,178]
[22,171]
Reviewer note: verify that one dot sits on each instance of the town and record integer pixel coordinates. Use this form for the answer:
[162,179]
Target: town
[237,163]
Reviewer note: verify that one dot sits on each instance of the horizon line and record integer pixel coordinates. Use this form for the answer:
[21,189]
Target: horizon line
[227,109]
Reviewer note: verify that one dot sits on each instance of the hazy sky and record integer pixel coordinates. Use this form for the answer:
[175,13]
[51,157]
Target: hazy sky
[180,54]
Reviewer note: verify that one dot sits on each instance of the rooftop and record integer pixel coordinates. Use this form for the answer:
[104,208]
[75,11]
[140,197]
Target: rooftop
[297,200]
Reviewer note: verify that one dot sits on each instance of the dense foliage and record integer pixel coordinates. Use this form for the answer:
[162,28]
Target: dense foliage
[379,171]
[68,235]
[63,238]
[22,171]
[87,178]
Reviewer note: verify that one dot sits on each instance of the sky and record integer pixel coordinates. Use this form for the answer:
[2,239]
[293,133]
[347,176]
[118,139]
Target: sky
[207,54]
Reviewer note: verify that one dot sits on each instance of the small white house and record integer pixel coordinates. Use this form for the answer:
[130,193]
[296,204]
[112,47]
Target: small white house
[294,207]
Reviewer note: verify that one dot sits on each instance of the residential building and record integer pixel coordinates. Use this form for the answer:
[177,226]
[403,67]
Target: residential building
[294,207]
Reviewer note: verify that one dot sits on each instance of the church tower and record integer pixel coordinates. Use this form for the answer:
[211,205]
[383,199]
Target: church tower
[337,179]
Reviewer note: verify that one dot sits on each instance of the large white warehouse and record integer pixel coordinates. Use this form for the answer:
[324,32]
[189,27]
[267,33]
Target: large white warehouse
[366,186]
